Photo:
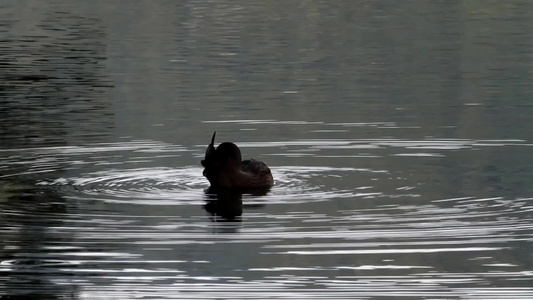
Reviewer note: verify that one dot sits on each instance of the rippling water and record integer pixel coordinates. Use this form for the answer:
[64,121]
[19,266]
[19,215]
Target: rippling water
[110,227]
[398,135]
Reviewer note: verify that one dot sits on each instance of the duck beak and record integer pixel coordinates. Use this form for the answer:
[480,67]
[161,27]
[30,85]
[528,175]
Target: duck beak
[210,152]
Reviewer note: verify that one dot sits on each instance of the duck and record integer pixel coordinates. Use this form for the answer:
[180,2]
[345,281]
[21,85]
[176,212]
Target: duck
[224,168]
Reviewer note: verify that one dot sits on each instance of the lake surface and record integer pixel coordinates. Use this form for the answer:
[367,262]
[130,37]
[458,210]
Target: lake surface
[399,134]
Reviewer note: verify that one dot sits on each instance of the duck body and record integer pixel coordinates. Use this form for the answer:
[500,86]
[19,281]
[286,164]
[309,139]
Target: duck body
[224,168]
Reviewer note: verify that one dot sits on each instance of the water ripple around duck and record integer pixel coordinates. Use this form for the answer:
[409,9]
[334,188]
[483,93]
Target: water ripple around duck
[114,173]
[134,230]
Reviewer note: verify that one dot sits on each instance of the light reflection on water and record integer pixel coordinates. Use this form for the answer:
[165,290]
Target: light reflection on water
[320,241]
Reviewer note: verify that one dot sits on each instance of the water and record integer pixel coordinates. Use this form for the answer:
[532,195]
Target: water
[398,134]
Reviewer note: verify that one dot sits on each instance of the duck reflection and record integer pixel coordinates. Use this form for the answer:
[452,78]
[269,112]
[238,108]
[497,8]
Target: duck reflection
[225,204]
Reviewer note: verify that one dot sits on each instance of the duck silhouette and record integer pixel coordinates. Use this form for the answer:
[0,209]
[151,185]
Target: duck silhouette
[224,168]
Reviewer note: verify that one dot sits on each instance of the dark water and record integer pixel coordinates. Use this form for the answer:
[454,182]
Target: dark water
[399,134]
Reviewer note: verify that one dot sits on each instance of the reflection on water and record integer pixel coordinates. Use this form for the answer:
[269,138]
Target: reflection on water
[397,134]
[105,223]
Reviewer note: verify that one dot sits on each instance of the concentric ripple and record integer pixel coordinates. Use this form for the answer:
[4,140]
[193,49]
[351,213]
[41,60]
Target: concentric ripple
[114,173]
[154,186]
[179,186]
[297,184]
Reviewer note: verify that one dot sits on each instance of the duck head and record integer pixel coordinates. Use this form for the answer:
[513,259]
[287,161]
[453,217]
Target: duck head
[226,155]
[221,163]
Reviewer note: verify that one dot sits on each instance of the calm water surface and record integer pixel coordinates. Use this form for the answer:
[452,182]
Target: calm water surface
[399,134]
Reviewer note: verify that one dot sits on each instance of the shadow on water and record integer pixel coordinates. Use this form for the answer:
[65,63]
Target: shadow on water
[53,92]
[32,255]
